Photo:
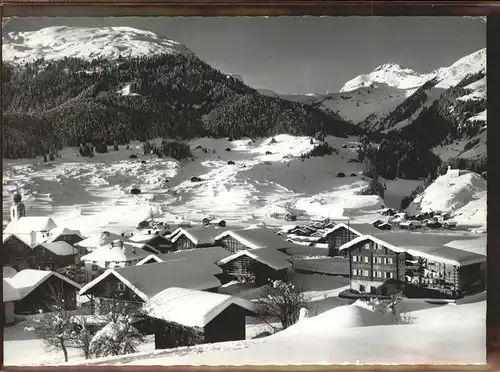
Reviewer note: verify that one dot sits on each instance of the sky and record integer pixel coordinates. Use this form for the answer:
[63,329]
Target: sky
[297,55]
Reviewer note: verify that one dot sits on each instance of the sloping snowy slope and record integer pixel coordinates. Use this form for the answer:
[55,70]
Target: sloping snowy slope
[465,196]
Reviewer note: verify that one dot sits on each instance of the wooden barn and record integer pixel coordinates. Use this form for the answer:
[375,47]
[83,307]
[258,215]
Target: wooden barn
[137,284]
[158,243]
[195,238]
[220,317]
[16,252]
[438,267]
[337,236]
[40,290]
[260,237]
[54,255]
[256,265]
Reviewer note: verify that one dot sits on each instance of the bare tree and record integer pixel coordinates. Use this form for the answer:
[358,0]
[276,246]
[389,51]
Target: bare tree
[82,335]
[54,327]
[282,301]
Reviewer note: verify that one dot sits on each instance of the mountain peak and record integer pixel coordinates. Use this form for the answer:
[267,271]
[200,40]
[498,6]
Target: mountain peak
[390,74]
[389,66]
[58,42]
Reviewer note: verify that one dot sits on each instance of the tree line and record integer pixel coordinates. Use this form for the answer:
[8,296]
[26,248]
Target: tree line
[52,104]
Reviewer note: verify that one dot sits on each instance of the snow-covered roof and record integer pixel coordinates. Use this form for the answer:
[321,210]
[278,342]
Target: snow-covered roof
[60,231]
[9,292]
[26,238]
[476,245]
[208,255]
[446,255]
[60,248]
[192,308]
[438,253]
[25,225]
[149,280]
[25,281]
[99,240]
[115,253]
[203,235]
[267,256]
[258,237]
[8,272]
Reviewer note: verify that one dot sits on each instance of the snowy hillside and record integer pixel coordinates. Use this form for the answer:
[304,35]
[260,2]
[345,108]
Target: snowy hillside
[465,196]
[88,43]
[358,104]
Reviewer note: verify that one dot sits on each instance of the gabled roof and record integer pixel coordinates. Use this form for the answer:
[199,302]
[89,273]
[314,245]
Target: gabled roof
[192,308]
[200,235]
[22,237]
[9,292]
[438,253]
[60,248]
[156,236]
[115,253]
[105,238]
[61,231]
[205,255]
[149,280]
[26,281]
[267,256]
[25,225]
[257,237]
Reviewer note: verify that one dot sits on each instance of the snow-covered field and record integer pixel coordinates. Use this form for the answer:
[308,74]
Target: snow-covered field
[94,194]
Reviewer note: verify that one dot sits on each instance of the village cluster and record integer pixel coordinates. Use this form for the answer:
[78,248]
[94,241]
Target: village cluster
[179,275]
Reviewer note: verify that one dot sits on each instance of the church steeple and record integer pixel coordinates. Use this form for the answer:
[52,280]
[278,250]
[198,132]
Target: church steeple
[17,210]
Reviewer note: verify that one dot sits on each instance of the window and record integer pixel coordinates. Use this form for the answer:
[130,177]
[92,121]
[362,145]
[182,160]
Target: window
[373,289]
[95,267]
[354,258]
[389,275]
[390,261]
[365,273]
[361,288]
[367,259]
[356,272]
[120,286]
[378,274]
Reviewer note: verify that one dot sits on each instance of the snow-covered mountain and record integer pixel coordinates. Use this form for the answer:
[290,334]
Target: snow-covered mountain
[368,98]
[390,74]
[53,43]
